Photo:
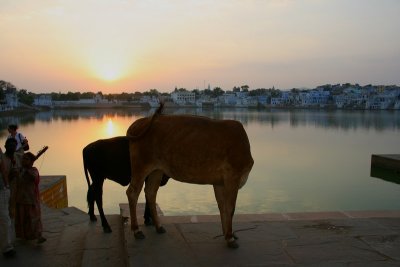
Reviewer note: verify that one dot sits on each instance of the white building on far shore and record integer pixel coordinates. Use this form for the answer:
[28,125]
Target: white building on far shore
[12,100]
[43,101]
[184,98]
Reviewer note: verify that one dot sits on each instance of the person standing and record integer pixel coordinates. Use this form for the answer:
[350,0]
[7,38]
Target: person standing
[28,221]
[22,142]
[12,164]
[8,172]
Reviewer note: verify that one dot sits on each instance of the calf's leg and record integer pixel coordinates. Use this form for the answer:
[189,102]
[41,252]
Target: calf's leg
[90,201]
[98,189]
[147,215]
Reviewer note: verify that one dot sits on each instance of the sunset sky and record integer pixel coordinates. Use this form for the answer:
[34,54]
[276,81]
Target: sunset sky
[118,46]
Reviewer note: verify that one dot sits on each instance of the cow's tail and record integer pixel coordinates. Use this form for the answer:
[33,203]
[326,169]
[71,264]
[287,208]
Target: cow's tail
[159,109]
[157,113]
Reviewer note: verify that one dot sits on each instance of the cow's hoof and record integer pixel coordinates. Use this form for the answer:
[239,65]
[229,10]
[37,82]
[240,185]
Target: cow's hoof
[93,218]
[235,236]
[139,235]
[161,230]
[107,229]
[232,244]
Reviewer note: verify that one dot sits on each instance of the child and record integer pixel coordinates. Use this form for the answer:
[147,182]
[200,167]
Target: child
[21,140]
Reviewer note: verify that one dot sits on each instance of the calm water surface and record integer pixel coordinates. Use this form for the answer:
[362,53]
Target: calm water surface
[305,160]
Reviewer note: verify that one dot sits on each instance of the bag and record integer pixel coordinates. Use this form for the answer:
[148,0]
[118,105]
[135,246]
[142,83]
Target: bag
[24,143]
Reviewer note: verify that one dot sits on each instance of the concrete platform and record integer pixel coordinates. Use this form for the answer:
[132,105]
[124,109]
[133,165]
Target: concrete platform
[353,238]
[53,191]
[387,161]
[386,167]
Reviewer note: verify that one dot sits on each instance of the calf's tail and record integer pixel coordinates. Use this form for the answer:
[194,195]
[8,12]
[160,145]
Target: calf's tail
[89,195]
[86,170]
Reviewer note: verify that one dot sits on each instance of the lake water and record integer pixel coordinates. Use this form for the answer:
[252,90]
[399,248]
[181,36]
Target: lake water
[305,160]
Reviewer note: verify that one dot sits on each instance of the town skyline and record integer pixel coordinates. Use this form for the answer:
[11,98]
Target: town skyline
[347,96]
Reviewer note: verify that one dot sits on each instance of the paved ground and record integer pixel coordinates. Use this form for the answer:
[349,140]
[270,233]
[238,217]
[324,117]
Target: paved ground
[332,239]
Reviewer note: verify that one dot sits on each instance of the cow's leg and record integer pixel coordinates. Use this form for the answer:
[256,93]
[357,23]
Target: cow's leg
[219,196]
[90,200]
[150,189]
[147,214]
[98,189]
[230,195]
[226,198]
[132,193]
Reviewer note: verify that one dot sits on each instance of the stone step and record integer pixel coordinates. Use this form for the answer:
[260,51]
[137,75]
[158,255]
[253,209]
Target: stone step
[71,244]
[65,232]
[105,249]
[73,240]
[353,238]
[168,250]
[172,249]
[83,243]
[124,211]
[69,249]
[110,249]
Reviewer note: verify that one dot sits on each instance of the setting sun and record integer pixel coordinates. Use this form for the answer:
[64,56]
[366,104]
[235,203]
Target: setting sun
[107,64]
[109,70]
[108,73]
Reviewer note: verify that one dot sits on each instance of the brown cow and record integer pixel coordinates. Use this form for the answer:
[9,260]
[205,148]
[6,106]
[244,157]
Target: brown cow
[190,149]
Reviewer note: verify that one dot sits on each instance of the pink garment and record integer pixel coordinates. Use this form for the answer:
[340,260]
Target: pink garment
[28,222]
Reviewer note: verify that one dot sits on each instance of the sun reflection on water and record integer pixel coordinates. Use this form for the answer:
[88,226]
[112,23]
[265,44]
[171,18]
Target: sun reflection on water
[110,128]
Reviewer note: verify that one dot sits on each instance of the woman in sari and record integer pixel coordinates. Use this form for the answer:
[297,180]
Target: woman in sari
[28,222]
